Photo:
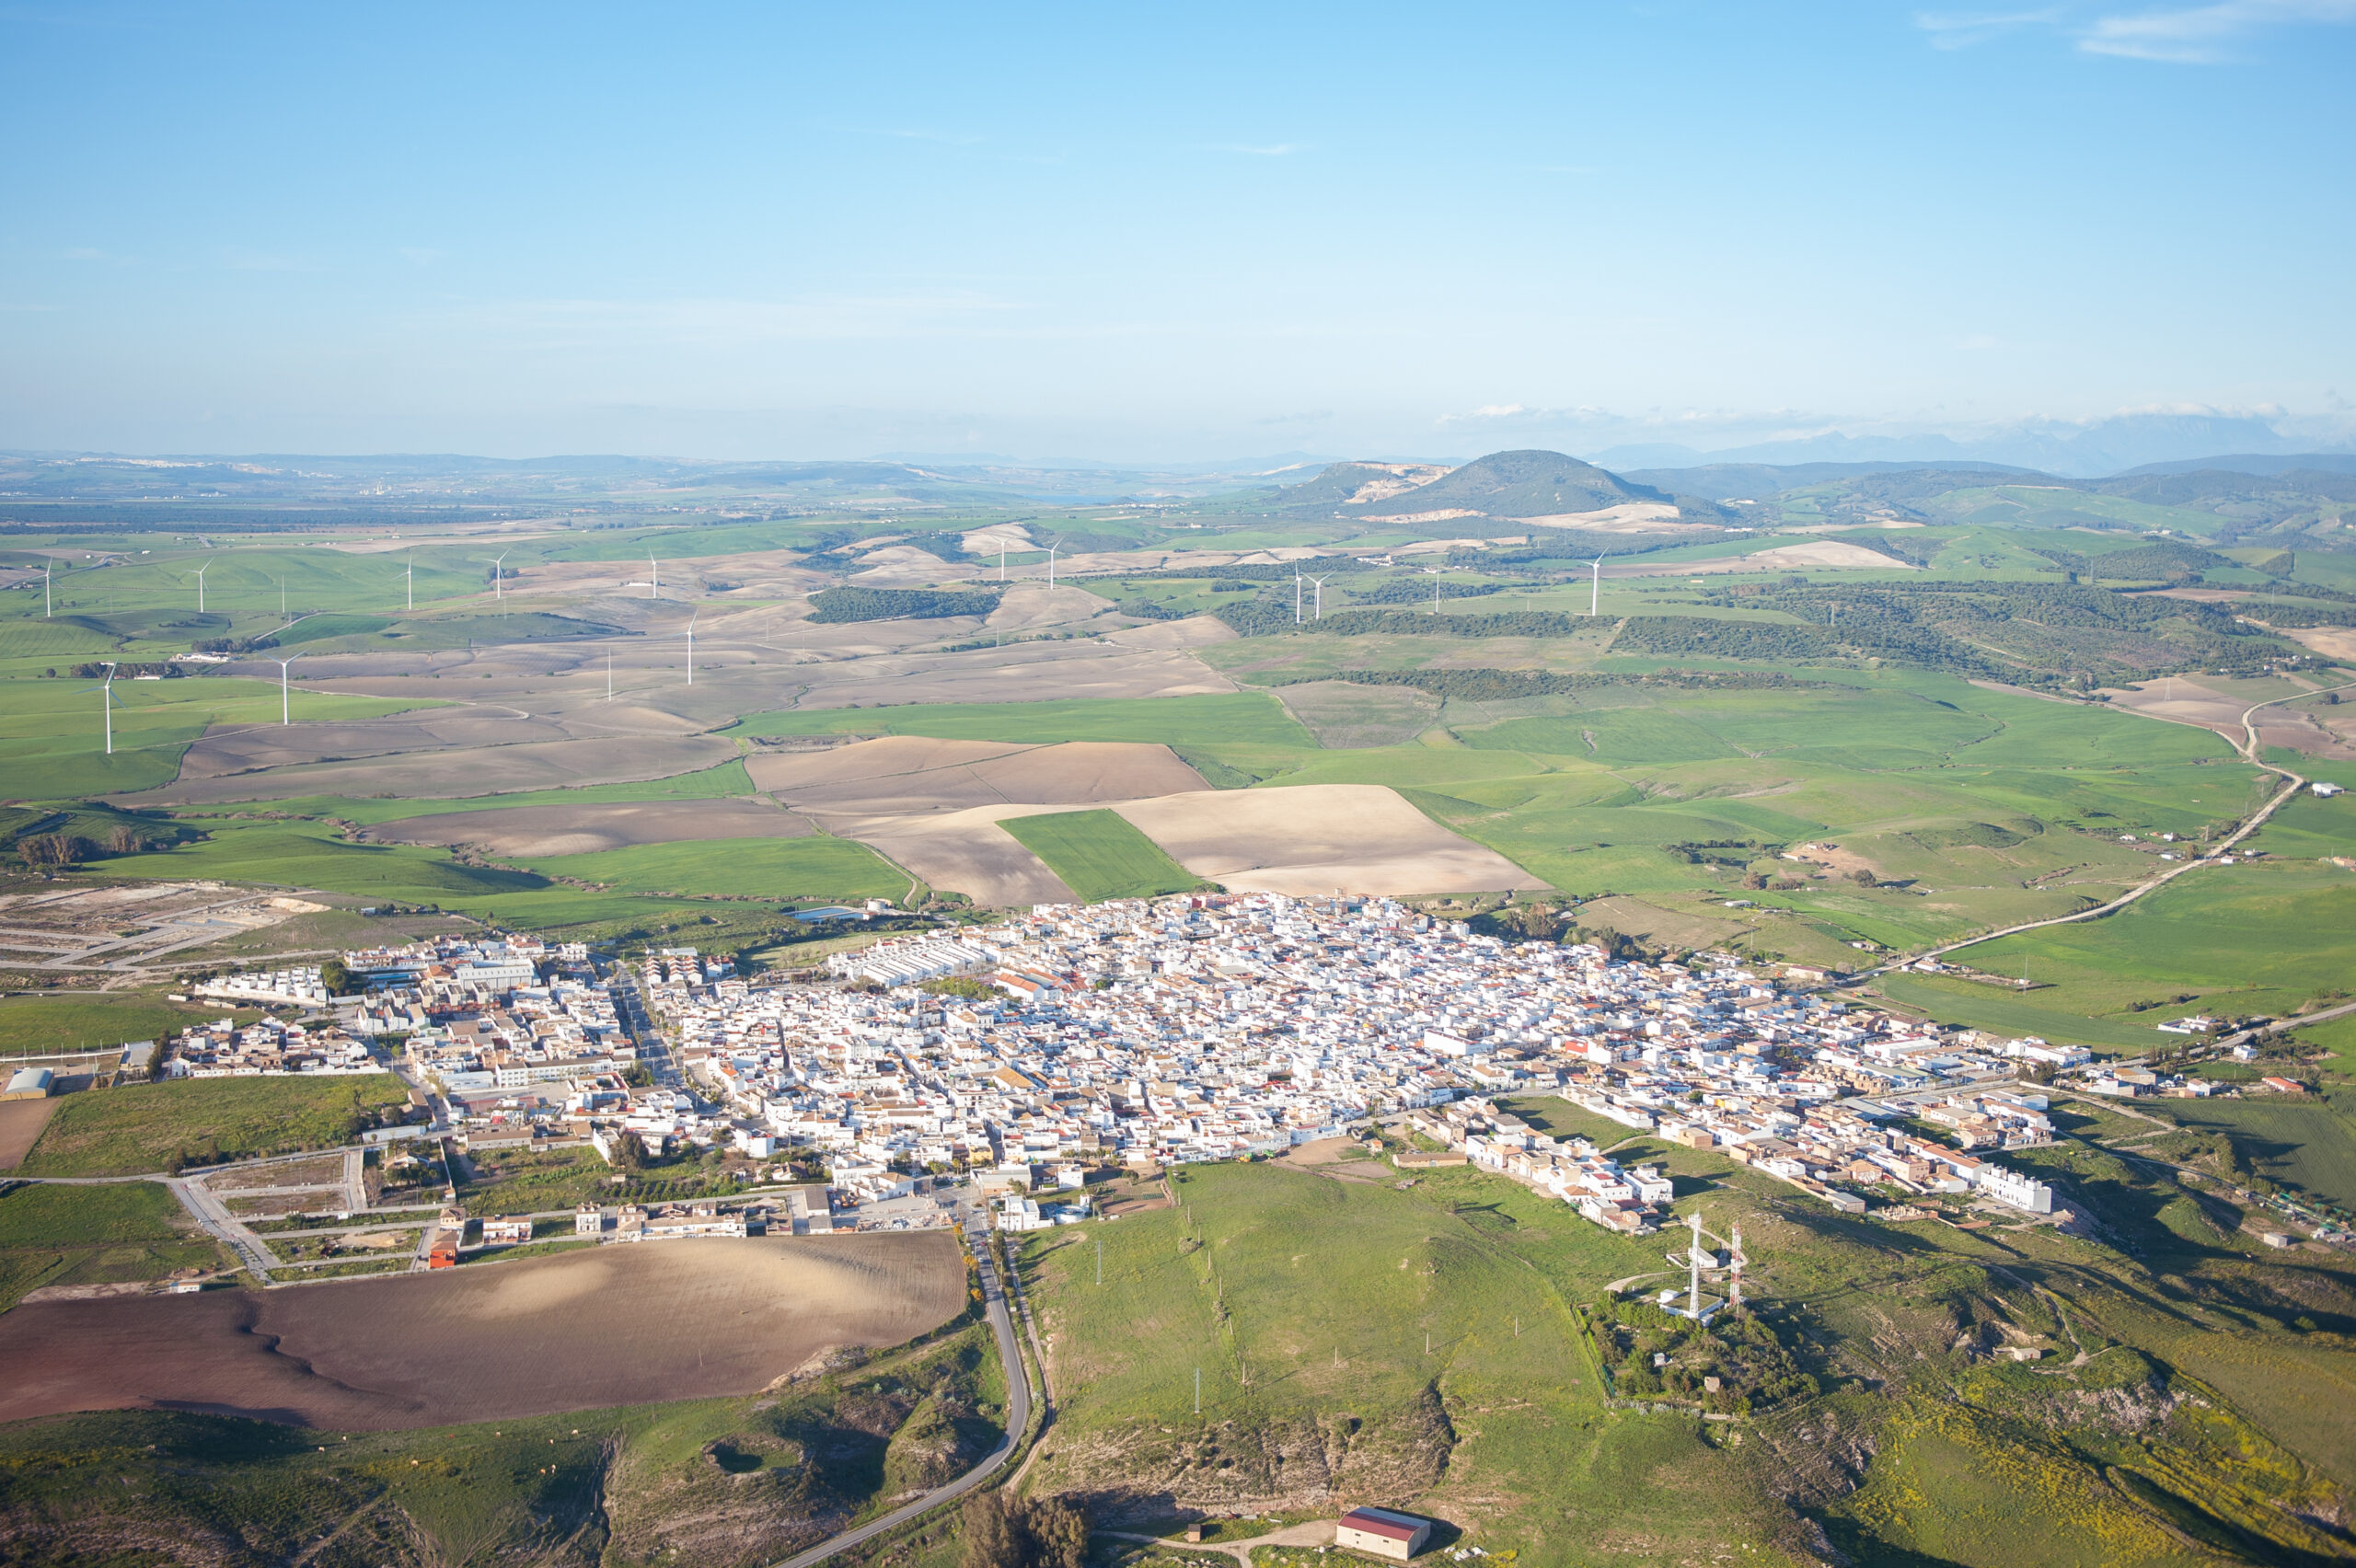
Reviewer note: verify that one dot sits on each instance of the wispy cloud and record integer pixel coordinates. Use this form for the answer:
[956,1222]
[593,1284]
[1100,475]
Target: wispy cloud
[1274,150]
[1961,29]
[2203,35]
[2177,35]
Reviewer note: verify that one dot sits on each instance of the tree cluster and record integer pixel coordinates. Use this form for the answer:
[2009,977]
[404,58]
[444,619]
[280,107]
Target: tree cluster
[834,605]
[1001,1530]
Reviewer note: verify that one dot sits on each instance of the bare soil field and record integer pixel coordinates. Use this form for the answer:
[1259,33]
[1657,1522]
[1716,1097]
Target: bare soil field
[1313,839]
[2184,701]
[965,851]
[1345,716]
[907,773]
[577,1331]
[528,831]
[905,566]
[21,1124]
[1033,606]
[1628,517]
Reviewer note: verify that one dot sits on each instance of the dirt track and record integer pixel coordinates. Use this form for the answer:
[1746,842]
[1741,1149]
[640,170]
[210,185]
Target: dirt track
[21,1124]
[661,1320]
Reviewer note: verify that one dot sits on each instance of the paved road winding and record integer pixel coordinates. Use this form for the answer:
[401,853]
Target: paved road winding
[1018,1419]
[2248,747]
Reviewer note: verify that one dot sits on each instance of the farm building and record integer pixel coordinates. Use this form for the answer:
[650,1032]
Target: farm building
[1383,1532]
[29,1083]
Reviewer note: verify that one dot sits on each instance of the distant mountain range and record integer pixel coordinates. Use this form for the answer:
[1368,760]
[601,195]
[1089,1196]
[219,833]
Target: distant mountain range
[2114,445]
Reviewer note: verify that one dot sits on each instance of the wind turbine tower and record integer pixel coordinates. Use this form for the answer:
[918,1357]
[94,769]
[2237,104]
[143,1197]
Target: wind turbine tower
[200,585]
[46,609]
[1734,1289]
[1296,598]
[499,576]
[691,647]
[1051,562]
[654,588]
[286,713]
[106,700]
[1595,593]
[1319,599]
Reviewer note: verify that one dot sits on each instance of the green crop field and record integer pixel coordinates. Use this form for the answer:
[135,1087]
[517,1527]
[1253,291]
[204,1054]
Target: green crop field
[2247,938]
[1100,856]
[52,731]
[35,1023]
[96,1235]
[141,1127]
[828,868]
[705,784]
[1236,719]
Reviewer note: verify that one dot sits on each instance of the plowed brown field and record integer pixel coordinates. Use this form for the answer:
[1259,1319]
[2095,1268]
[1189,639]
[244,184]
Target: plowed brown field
[579,1331]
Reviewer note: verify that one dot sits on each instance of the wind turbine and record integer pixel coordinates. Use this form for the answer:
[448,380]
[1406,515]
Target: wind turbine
[46,610]
[1296,598]
[1595,595]
[1318,609]
[655,589]
[691,647]
[199,582]
[411,573]
[106,700]
[1051,562]
[285,714]
[499,576]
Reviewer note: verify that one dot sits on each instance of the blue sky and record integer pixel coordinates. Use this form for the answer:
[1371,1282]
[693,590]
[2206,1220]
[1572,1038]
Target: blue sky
[1186,232]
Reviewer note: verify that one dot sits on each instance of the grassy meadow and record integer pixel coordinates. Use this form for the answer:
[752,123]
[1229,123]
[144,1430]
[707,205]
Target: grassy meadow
[1304,1299]
[140,1128]
[97,1235]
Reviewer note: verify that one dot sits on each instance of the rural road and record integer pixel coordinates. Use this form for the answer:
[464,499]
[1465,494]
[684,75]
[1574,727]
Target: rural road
[2248,747]
[1018,1418]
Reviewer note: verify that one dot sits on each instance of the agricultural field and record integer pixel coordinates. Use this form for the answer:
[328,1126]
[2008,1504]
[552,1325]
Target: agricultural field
[97,1235]
[141,1128]
[1100,856]
[32,1022]
[52,731]
[580,1330]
